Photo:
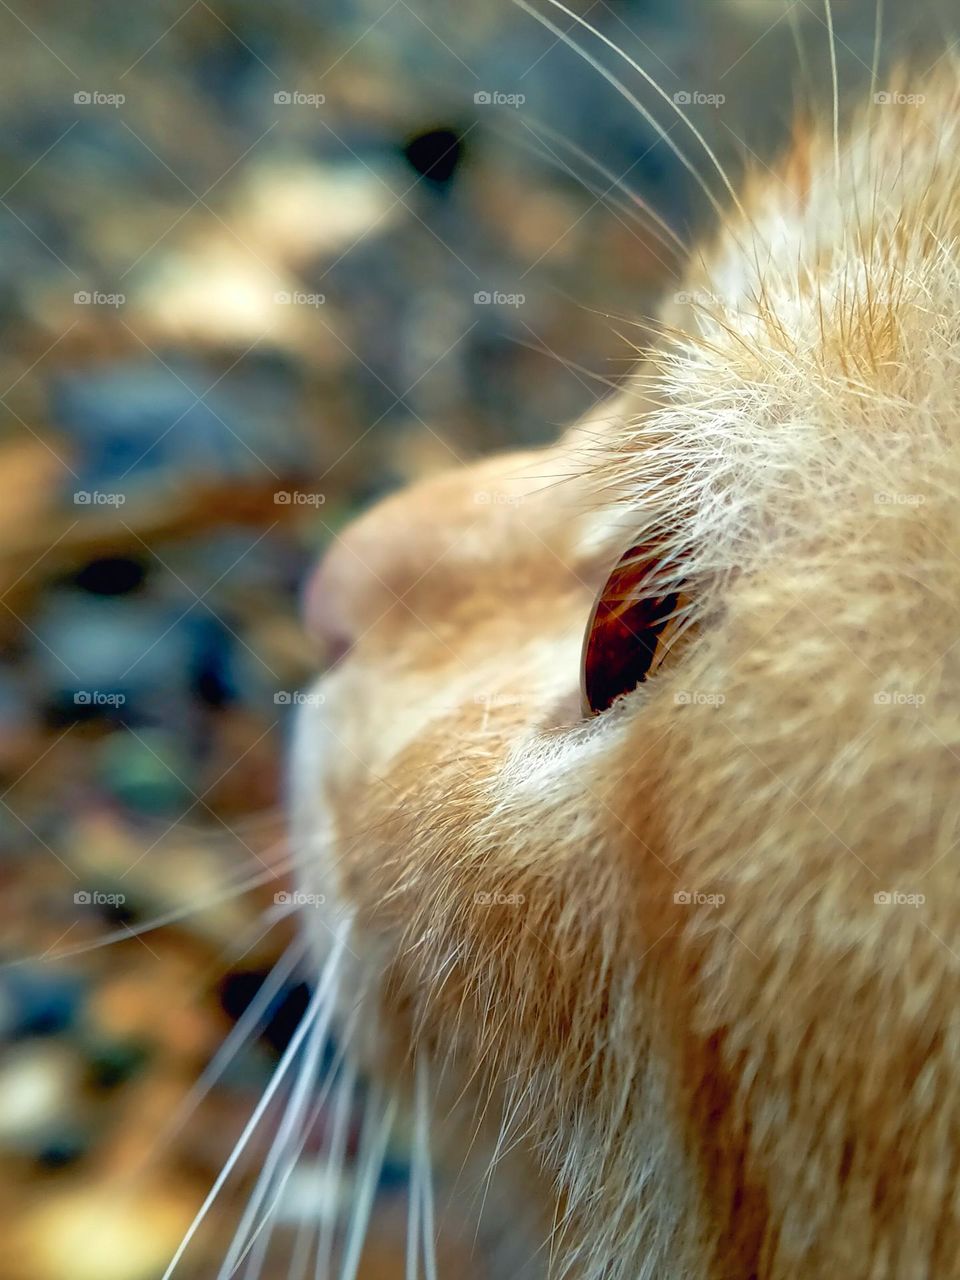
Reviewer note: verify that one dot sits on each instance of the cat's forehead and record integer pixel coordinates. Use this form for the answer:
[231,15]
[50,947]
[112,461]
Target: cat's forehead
[847,219]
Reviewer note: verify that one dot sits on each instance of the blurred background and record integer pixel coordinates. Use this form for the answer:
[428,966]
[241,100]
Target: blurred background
[260,264]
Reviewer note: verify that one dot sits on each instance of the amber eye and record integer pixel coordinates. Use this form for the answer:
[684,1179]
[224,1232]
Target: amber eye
[625,630]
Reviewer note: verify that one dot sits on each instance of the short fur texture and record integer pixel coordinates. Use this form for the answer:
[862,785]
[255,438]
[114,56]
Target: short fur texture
[680,947]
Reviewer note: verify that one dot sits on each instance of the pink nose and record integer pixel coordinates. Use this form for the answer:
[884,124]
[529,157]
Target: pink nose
[324,612]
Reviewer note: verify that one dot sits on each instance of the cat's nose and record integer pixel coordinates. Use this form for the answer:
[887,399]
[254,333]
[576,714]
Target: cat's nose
[326,613]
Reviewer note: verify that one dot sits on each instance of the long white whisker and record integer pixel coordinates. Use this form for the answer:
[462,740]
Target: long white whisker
[570,365]
[338,1145]
[233,1042]
[412,1271]
[615,183]
[256,1251]
[250,1244]
[828,7]
[301,1251]
[796,35]
[618,207]
[288,863]
[261,1235]
[625,93]
[422,1158]
[292,1119]
[301,1258]
[374,1136]
[159,921]
[313,1011]
[877,42]
[675,107]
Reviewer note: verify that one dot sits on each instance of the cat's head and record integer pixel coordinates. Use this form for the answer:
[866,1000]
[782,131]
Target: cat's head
[704,946]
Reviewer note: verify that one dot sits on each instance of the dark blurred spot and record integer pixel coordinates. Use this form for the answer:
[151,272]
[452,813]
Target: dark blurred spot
[435,155]
[212,688]
[228,65]
[394,1175]
[38,1004]
[212,676]
[113,1063]
[284,1014]
[111,576]
[64,1150]
[61,708]
[123,913]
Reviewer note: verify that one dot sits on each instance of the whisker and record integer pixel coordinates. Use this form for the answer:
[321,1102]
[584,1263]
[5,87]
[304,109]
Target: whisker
[294,1149]
[249,824]
[293,859]
[877,42]
[340,1065]
[335,1158]
[802,61]
[313,1012]
[374,1136]
[625,93]
[411,1270]
[173,916]
[651,120]
[232,1043]
[641,205]
[301,1251]
[255,1253]
[280,1146]
[828,7]
[423,1162]
[566,363]
[618,207]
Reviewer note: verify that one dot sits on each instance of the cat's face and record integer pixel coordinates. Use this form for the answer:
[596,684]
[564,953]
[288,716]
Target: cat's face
[668,938]
[456,613]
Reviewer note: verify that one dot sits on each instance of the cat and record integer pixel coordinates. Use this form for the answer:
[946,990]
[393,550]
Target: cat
[629,812]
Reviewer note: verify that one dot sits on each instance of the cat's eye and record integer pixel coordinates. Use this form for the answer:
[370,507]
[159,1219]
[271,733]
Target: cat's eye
[625,630]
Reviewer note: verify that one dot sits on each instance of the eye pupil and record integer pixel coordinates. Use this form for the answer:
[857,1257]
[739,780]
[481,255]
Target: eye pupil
[623,633]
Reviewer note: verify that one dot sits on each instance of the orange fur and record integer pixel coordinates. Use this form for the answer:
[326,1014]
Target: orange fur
[765,1086]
